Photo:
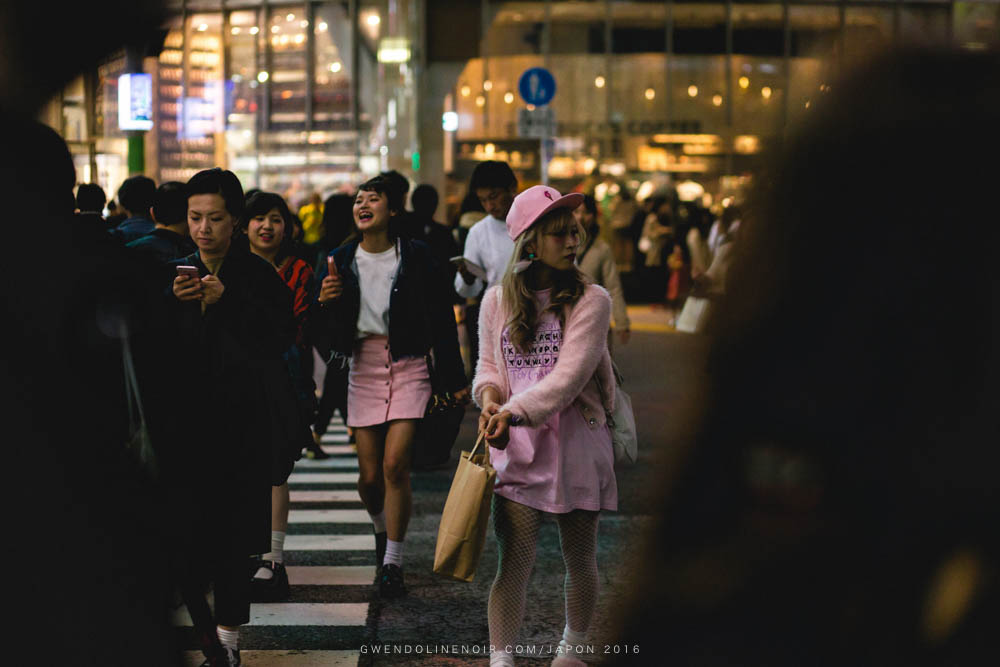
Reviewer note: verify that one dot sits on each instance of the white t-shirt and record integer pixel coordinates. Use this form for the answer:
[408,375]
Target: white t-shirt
[489,246]
[376,272]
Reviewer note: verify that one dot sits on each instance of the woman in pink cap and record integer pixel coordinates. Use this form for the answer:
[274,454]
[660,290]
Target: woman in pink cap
[543,368]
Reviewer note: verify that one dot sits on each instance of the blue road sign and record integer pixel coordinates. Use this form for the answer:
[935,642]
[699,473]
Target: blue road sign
[537,86]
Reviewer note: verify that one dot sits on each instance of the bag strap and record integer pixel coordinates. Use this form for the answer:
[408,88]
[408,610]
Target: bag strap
[479,440]
[604,397]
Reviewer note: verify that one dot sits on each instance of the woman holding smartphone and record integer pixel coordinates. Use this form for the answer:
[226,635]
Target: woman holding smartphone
[387,307]
[232,324]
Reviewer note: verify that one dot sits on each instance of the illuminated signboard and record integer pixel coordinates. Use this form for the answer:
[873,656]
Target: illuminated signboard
[135,102]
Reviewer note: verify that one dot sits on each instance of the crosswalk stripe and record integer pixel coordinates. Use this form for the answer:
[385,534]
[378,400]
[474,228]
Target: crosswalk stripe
[334,438]
[297,613]
[328,516]
[322,575]
[323,478]
[332,462]
[285,658]
[330,542]
[339,449]
[339,496]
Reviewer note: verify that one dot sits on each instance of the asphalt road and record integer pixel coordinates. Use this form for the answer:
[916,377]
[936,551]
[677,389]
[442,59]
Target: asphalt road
[442,622]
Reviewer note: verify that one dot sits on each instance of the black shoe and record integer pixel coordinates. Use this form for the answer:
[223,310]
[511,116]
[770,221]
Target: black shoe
[315,451]
[274,589]
[390,582]
[380,542]
[215,653]
[229,657]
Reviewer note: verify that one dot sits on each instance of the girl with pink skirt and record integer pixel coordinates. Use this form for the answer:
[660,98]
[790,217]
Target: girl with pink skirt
[385,305]
[543,366]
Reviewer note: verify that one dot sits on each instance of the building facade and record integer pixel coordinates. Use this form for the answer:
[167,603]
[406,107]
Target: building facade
[297,97]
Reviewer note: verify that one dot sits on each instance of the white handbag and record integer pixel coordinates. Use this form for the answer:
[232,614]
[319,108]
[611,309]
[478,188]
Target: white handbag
[693,314]
[621,422]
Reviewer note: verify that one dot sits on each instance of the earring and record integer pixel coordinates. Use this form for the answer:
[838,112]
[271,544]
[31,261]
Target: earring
[524,263]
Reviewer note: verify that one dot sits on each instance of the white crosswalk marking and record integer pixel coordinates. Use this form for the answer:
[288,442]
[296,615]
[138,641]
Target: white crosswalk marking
[334,462]
[323,478]
[324,496]
[330,542]
[358,575]
[334,438]
[338,449]
[286,658]
[297,613]
[328,516]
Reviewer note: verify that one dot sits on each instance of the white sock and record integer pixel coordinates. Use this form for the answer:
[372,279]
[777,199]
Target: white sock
[501,659]
[393,553]
[277,552]
[229,638]
[571,640]
[275,555]
[379,521]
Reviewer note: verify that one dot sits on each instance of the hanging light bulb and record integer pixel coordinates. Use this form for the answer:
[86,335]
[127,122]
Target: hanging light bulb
[765,92]
[693,90]
[744,82]
[599,82]
[650,93]
[717,100]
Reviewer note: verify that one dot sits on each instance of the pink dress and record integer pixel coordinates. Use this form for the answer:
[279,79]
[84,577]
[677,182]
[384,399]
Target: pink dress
[561,465]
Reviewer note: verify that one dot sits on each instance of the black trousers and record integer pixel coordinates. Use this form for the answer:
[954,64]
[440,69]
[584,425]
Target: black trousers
[229,575]
[334,396]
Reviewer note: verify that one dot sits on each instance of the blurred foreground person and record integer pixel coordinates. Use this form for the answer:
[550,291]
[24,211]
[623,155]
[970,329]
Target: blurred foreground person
[839,503]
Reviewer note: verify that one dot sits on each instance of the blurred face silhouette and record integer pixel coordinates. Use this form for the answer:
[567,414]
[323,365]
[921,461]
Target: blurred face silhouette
[210,224]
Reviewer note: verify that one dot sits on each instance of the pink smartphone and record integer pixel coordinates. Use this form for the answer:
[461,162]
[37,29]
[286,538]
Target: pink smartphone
[189,271]
[331,267]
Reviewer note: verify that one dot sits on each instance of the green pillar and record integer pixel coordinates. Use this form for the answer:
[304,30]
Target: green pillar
[136,153]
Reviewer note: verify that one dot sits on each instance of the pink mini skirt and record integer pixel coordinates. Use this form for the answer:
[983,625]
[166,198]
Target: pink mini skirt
[381,390]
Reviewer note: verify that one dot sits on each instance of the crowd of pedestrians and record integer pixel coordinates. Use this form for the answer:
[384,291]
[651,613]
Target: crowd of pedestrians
[238,291]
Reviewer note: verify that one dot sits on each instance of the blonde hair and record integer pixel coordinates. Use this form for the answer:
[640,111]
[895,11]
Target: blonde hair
[519,300]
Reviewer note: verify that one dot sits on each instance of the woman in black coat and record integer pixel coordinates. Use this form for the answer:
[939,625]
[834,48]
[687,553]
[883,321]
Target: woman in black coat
[231,327]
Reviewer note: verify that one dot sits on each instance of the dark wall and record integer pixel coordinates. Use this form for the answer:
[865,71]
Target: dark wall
[454,30]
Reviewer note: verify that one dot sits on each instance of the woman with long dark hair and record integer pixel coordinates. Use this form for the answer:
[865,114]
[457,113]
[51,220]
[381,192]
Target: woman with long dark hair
[386,309]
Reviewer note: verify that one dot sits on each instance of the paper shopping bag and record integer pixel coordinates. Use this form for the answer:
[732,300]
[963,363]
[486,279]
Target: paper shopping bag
[462,533]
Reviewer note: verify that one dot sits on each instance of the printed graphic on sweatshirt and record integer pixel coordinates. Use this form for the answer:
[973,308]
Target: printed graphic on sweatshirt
[540,356]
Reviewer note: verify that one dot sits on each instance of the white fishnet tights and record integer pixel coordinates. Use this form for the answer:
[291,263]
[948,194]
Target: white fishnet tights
[516,529]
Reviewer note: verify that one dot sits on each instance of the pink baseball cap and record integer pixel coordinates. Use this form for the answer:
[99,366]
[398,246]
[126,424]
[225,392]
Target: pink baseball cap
[535,202]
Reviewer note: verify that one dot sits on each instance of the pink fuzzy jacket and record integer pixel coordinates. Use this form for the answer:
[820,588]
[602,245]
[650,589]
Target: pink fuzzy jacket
[584,350]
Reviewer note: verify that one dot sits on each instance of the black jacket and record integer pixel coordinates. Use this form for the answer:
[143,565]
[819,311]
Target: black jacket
[163,245]
[421,318]
[224,424]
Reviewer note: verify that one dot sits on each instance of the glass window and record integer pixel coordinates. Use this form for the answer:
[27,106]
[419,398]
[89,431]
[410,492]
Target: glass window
[245,63]
[977,24]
